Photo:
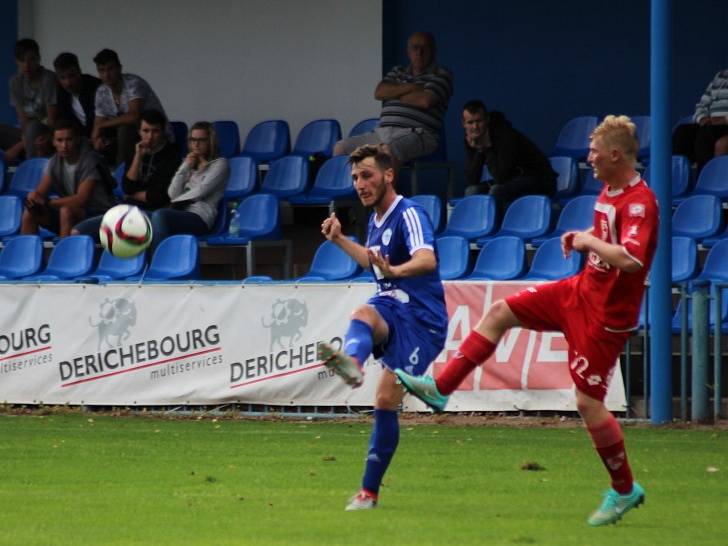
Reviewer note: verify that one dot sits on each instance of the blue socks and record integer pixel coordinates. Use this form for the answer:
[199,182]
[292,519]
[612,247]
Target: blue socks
[382,444]
[358,341]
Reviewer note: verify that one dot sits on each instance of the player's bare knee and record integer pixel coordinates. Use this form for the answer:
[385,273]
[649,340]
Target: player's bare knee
[364,313]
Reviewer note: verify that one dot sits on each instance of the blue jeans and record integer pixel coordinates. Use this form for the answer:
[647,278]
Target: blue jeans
[166,222]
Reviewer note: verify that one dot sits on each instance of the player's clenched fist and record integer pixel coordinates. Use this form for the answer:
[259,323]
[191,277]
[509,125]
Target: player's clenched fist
[331,227]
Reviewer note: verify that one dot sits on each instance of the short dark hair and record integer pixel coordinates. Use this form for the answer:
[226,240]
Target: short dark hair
[25,46]
[66,61]
[44,129]
[107,56]
[154,117]
[474,106]
[381,156]
[64,124]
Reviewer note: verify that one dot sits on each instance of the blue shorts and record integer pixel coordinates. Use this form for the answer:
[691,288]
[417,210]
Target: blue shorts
[411,346]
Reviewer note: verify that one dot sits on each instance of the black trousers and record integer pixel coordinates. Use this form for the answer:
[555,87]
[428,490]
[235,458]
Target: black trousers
[697,142]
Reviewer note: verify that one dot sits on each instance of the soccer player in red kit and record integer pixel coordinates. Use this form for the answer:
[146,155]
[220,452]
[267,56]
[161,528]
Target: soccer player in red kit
[595,309]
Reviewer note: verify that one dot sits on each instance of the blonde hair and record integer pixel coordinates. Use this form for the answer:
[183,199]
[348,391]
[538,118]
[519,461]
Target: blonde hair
[619,132]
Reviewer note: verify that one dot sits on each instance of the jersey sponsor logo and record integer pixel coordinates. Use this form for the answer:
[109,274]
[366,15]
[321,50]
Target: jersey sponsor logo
[596,262]
[615,462]
[633,231]
[594,380]
[386,236]
[637,210]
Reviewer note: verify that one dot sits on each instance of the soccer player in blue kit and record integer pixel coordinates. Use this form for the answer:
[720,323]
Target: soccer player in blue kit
[405,323]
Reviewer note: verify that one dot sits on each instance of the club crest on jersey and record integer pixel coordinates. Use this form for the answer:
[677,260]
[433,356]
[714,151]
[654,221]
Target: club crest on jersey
[637,210]
[386,236]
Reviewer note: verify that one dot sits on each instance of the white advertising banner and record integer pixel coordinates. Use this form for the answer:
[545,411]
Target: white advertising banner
[209,344]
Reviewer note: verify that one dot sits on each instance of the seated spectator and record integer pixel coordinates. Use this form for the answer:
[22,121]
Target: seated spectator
[700,141]
[76,92]
[196,189]
[414,101]
[120,99]
[33,94]
[43,143]
[147,180]
[517,165]
[80,178]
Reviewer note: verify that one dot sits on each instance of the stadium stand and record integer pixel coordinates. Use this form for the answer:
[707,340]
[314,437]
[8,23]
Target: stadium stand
[549,263]
[454,253]
[364,126]
[573,139]
[11,212]
[527,217]
[680,178]
[228,137]
[500,259]
[27,177]
[71,257]
[699,217]
[287,176]
[111,268]
[577,214]
[21,257]
[180,129]
[176,258]
[267,140]
[333,181]
[433,208]
[472,217]
[568,176]
[317,137]
[330,263]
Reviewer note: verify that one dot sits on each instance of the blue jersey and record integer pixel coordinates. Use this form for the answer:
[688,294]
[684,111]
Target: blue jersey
[404,229]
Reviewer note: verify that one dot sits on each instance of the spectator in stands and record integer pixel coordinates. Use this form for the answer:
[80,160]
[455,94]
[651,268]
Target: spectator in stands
[516,164]
[119,101]
[43,143]
[414,101]
[701,140]
[196,189]
[33,94]
[147,180]
[80,178]
[76,92]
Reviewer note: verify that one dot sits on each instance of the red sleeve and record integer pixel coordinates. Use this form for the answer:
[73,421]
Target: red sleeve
[638,226]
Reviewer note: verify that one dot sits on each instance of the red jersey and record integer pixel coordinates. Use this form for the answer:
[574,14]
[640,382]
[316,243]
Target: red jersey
[627,217]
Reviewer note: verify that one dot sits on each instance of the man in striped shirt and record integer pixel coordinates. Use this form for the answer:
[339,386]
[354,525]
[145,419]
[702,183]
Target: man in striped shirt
[414,100]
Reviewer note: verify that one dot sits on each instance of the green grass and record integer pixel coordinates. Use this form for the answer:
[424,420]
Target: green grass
[87,479]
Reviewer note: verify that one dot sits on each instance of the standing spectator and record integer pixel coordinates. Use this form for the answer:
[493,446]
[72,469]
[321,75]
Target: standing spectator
[120,99]
[700,141]
[196,189]
[80,178]
[33,94]
[517,165]
[414,100]
[76,92]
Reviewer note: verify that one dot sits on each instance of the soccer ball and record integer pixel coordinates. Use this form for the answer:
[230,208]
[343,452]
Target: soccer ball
[125,231]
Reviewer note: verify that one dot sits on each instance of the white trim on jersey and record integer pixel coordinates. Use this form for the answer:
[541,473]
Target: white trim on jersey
[636,180]
[414,226]
[632,257]
[380,222]
[611,213]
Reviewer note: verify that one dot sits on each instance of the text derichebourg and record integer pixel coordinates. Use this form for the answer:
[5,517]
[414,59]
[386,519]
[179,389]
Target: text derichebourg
[131,355]
[273,363]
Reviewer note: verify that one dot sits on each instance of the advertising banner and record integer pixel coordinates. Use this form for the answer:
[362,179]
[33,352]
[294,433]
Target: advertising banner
[136,345]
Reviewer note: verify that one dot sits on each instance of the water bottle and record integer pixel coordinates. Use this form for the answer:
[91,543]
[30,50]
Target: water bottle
[234,228]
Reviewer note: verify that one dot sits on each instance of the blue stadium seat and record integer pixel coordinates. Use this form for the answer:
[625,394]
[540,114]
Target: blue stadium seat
[698,217]
[21,257]
[11,213]
[111,268]
[568,175]
[258,214]
[715,267]
[2,173]
[643,125]
[228,137]
[433,208]
[713,179]
[573,139]
[243,176]
[680,178]
[175,258]
[527,217]
[591,186]
[454,253]
[577,214]
[179,128]
[330,263]
[333,181]
[70,258]
[364,126]
[500,259]
[257,279]
[472,217]
[684,258]
[268,140]
[287,176]
[27,177]
[549,263]
[317,137]
[676,328]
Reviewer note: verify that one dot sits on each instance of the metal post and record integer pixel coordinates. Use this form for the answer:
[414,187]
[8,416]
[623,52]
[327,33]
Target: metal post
[683,353]
[700,355]
[661,166]
[717,337]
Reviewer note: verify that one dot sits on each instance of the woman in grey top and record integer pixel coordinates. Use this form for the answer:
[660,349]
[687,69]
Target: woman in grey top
[196,189]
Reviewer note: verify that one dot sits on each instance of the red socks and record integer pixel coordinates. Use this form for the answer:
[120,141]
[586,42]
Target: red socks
[473,351]
[609,442]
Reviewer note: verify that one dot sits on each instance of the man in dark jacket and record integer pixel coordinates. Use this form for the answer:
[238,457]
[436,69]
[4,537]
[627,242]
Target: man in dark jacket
[76,93]
[516,165]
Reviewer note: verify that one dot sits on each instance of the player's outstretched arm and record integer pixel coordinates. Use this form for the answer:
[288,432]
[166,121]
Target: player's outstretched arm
[615,255]
[422,262]
[331,229]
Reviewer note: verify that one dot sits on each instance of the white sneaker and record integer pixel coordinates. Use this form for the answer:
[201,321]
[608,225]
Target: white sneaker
[361,501]
[342,365]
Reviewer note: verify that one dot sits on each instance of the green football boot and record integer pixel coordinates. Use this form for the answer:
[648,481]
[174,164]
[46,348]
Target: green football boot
[614,505]
[424,388]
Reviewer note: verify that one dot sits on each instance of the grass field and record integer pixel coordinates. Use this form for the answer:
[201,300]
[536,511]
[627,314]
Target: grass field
[88,479]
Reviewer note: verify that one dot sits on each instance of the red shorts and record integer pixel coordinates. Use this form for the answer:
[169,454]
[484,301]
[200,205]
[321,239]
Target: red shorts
[593,351]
